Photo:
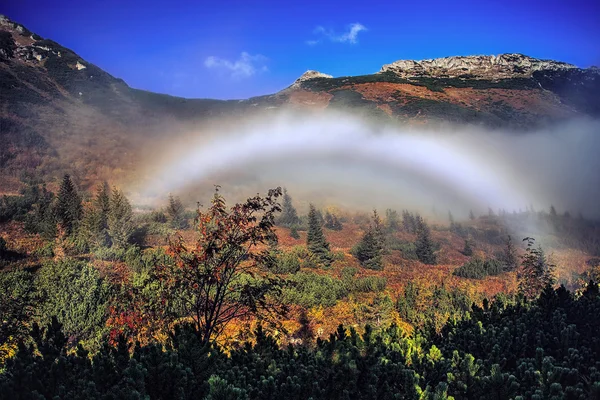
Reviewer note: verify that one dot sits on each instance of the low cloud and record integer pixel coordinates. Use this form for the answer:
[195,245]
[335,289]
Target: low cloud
[350,36]
[245,66]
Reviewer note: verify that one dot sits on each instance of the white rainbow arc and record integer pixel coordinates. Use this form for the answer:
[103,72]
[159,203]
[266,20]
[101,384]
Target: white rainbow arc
[438,158]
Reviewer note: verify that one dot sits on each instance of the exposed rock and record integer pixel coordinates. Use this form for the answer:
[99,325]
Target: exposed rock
[308,75]
[502,66]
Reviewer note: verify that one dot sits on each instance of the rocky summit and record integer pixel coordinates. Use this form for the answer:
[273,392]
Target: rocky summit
[503,66]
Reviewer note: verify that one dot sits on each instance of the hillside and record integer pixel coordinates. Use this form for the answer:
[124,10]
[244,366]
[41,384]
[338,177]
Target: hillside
[60,113]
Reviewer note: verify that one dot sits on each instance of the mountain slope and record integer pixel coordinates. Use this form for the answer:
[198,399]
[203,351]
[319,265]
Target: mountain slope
[59,113]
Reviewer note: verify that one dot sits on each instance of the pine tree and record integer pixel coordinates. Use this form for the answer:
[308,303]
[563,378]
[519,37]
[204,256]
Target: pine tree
[451,220]
[332,222]
[368,251]
[315,239]
[536,272]
[99,214]
[176,213]
[68,208]
[120,219]
[289,216]
[392,221]
[509,255]
[378,230]
[294,233]
[471,215]
[102,202]
[409,222]
[468,250]
[553,212]
[424,244]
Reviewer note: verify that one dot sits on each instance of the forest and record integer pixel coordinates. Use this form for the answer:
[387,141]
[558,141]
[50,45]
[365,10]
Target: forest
[254,300]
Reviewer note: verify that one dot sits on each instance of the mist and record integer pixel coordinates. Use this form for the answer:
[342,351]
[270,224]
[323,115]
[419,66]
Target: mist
[335,158]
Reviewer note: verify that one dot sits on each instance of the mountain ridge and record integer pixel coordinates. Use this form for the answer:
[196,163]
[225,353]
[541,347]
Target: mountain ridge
[57,110]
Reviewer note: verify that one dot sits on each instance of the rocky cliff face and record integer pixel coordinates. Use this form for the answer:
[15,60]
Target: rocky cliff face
[503,66]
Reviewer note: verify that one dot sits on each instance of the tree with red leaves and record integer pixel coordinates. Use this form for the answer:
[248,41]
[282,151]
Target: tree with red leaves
[216,280]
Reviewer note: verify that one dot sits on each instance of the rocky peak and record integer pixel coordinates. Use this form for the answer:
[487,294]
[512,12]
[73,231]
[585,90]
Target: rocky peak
[308,75]
[475,67]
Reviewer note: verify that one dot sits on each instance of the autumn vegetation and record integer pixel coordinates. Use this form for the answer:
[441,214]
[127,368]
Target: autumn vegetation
[255,300]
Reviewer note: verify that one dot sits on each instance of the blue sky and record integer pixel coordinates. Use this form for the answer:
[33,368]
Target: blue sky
[237,49]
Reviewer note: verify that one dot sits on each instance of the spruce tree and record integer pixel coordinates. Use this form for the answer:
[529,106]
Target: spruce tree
[424,244]
[471,215]
[120,219]
[332,222]
[315,239]
[102,209]
[408,222]
[468,250]
[294,233]
[509,255]
[68,207]
[176,213]
[536,272]
[289,216]
[392,221]
[368,251]
[378,230]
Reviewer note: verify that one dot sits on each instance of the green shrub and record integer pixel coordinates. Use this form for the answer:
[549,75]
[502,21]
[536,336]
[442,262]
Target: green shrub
[308,289]
[109,253]
[477,268]
[73,292]
[47,250]
[286,263]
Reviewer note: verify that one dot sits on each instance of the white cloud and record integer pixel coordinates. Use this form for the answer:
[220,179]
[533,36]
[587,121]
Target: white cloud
[244,67]
[350,36]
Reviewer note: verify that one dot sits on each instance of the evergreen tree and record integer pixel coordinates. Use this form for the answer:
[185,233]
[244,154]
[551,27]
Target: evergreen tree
[102,203]
[176,213]
[424,244]
[509,255]
[368,251]
[392,221]
[332,222]
[471,215]
[468,250]
[378,230]
[408,222]
[536,272]
[553,212]
[289,216]
[68,207]
[451,220]
[294,232]
[120,219]
[95,218]
[315,239]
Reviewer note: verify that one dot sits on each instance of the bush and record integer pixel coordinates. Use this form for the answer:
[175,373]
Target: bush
[312,290]
[477,268]
[73,292]
[286,263]
[109,253]
[369,284]
[363,285]
[47,250]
